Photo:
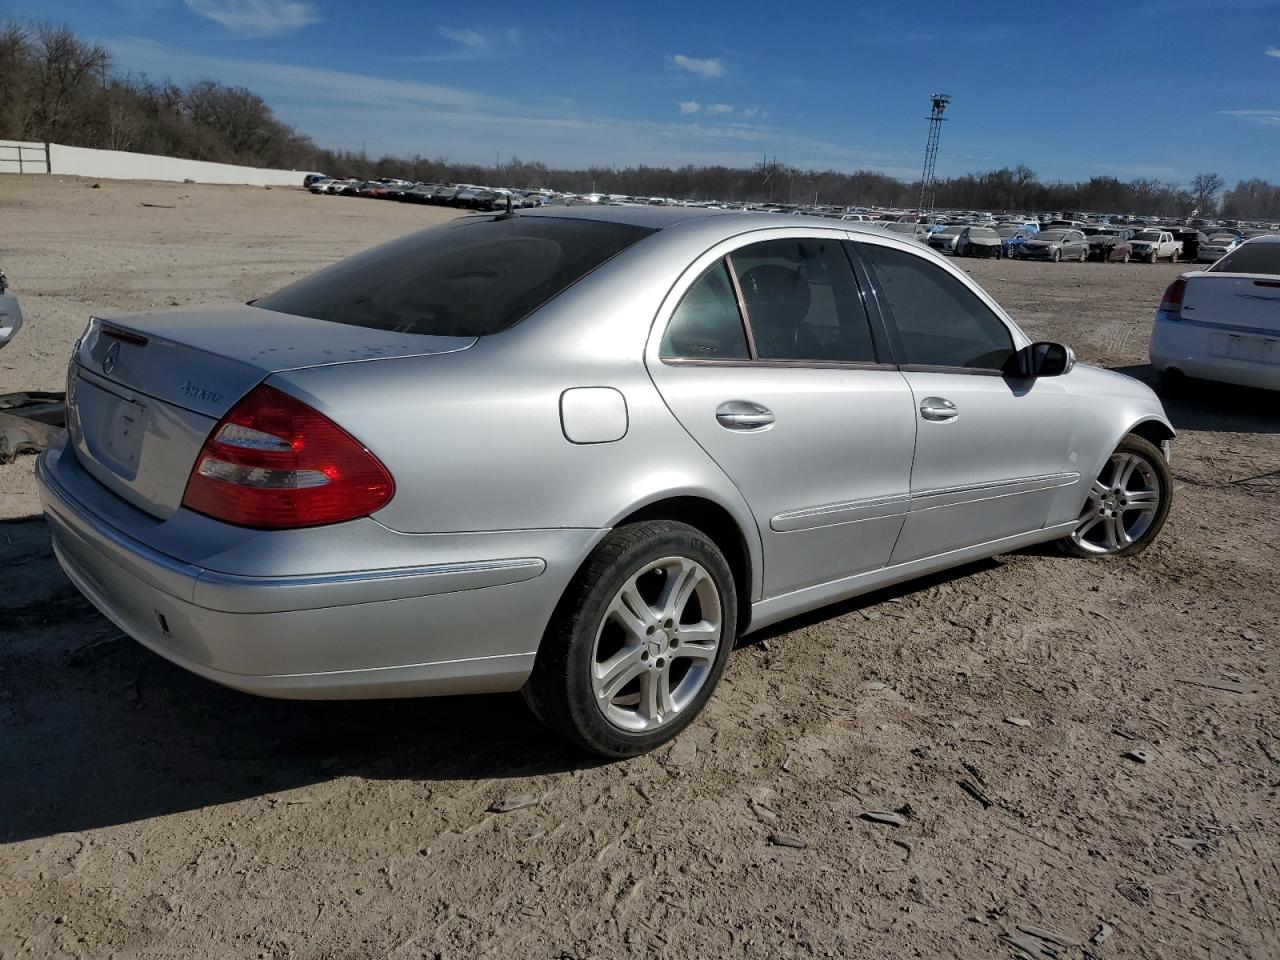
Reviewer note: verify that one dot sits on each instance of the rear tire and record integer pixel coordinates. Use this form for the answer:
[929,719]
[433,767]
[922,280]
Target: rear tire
[639,641]
[1127,506]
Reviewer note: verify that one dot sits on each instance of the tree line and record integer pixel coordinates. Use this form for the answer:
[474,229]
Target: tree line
[58,87]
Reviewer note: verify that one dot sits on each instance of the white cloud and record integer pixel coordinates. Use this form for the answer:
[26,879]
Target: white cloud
[689,106]
[1265,117]
[703,68]
[256,18]
[1273,52]
[716,108]
[749,112]
[466,38]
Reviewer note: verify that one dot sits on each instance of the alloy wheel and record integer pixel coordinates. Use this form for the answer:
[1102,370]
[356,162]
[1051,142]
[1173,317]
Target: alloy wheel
[1122,505]
[656,644]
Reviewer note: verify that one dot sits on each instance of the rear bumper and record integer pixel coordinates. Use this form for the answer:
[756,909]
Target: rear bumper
[1192,348]
[445,627]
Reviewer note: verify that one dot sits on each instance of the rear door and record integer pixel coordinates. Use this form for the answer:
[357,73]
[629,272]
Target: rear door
[991,449]
[765,353]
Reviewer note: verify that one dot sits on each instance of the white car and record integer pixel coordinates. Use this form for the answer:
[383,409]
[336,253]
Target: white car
[1224,323]
[1153,245]
[1219,245]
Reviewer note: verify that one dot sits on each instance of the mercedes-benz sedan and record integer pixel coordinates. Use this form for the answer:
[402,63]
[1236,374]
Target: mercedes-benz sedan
[576,453]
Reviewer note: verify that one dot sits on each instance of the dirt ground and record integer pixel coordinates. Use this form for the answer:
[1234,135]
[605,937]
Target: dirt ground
[147,813]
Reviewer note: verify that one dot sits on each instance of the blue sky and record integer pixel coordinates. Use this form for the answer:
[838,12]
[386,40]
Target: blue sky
[1156,88]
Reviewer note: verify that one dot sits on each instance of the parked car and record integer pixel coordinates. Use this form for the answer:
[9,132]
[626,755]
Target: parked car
[319,186]
[1223,323]
[1189,241]
[1056,245]
[311,178]
[946,239]
[1012,238]
[1217,247]
[914,231]
[1153,245]
[613,471]
[10,313]
[1103,240]
[978,241]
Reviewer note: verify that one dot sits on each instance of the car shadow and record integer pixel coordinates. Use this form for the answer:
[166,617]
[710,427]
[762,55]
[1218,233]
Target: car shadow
[95,730]
[1206,405]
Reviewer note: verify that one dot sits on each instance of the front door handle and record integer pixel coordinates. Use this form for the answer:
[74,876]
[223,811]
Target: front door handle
[743,415]
[938,409]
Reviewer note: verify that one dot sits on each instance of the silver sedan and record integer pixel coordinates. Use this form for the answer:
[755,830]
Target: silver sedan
[575,453]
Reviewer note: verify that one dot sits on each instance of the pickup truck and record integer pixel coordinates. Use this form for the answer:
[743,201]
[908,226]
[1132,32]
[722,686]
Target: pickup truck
[1153,245]
[1223,323]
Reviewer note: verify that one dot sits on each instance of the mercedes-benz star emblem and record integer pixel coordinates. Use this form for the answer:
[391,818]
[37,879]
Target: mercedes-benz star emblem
[113,354]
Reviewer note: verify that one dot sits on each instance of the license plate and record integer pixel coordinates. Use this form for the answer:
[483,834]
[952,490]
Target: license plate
[122,439]
[1238,346]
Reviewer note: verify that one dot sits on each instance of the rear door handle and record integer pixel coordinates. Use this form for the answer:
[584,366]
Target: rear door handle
[938,409]
[743,415]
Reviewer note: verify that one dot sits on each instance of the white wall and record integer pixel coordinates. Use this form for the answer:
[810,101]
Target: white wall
[118,165]
[23,156]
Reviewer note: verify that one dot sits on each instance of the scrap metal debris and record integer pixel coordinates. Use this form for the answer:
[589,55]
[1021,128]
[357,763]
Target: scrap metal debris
[974,792]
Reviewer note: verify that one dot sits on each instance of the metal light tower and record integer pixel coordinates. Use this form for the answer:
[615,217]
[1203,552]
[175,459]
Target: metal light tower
[940,101]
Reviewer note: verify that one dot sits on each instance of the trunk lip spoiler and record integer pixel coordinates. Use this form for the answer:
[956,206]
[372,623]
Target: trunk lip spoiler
[107,329]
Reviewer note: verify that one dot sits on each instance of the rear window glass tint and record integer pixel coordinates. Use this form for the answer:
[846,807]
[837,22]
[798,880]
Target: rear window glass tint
[1251,258]
[468,279]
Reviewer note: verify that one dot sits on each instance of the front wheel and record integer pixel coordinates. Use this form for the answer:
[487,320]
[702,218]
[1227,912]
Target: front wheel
[1057,255]
[1127,504]
[638,642]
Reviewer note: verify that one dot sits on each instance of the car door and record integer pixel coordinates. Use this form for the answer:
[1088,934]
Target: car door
[765,353]
[991,446]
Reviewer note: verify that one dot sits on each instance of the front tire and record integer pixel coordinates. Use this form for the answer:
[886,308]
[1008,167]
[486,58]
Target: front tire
[639,641]
[1127,504]
[1057,255]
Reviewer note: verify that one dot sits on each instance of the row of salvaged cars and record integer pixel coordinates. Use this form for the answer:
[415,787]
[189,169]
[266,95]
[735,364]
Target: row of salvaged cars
[462,196]
[1074,240]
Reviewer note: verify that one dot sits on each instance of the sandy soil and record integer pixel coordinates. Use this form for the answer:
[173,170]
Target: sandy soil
[146,813]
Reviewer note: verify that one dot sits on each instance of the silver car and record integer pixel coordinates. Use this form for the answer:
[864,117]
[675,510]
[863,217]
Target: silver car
[575,452]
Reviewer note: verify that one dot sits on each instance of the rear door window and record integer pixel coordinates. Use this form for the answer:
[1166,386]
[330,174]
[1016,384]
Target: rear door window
[803,302]
[472,278]
[940,321]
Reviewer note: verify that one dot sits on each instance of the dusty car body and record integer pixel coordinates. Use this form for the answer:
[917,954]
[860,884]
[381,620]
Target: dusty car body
[574,452]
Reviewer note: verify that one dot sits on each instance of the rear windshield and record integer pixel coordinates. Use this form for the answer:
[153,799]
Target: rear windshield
[1251,258]
[469,279]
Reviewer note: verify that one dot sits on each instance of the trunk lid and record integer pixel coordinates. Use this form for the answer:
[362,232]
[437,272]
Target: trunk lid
[1244,303]
[144,391]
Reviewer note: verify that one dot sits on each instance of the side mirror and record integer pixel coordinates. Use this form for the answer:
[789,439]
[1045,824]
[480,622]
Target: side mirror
[1049,359]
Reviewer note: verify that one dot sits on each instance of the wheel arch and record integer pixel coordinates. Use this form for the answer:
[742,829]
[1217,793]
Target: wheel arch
[1152,429]
[739,546]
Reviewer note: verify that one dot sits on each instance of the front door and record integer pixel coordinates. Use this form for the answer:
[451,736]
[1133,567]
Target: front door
[769,363]
[991,448]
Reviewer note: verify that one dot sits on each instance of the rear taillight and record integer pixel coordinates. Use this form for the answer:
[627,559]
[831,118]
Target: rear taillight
[273,462]
[1171,302]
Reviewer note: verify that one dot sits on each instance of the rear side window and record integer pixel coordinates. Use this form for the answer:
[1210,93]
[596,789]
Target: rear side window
[1251,258]
[940,321]
[469,279]
[803,302]
[707,324]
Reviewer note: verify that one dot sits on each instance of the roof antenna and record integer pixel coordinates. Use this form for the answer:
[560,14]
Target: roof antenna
[508,213]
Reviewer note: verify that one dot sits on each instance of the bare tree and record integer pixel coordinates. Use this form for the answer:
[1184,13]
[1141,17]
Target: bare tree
[1205,188]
